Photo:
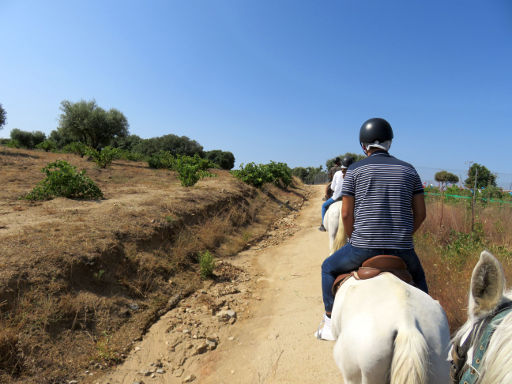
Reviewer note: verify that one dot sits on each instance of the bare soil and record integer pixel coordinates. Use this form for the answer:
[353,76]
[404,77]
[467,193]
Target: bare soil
[82,281]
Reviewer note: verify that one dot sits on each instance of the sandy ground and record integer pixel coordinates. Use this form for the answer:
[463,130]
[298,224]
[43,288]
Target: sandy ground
[272,341]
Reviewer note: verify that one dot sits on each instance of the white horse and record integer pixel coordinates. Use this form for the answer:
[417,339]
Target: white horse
[389,332]
[334,226]
[489,311]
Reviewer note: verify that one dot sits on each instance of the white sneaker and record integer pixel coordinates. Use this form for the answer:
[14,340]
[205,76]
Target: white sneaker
[324,330]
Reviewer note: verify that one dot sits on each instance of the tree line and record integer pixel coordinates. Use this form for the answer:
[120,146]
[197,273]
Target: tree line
[84,123]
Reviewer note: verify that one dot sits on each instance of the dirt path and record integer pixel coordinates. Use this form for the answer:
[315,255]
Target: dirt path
[278,308]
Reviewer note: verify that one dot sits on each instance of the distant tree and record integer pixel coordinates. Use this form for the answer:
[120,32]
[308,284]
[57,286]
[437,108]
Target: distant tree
[27,139]
[3,116]
[176,145]
[224,159]
[444,177]
[330,163]
[484,177]
[127,143]
[310,175]
[87,123]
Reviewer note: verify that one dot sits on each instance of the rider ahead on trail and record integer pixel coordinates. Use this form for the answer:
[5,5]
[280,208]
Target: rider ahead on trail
[336,186]
[383,205]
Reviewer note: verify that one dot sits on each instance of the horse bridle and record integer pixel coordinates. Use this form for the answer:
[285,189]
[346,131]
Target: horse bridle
[459,363]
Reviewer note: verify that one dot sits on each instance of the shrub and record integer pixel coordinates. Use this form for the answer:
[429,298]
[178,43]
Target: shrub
[258,174]
[132,156]
[13,144]
[27,139]
[104,157]
[47,146]
[224,159]
[62,179]
[251,174]
[162,160]
[77,148]
[191,169]
[206,264]
[279,174]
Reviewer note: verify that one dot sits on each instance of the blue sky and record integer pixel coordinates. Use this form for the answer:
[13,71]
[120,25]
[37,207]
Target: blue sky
[282,80]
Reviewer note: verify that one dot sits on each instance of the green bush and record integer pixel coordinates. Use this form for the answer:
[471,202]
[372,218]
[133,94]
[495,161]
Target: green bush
[62,179]
[77,148]
[258,174]
[279,173]
[252,174]
[104,157]
[128,155]
[192,169]
[206,264]
[47,146]
[224,159]
[13,144]
[162,160]
[27,139]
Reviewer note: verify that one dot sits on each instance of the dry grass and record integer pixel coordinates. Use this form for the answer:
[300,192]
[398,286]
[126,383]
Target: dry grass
[84,278]
[449,250]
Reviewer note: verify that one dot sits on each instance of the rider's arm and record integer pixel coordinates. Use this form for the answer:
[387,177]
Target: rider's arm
[419,211]
[347,214]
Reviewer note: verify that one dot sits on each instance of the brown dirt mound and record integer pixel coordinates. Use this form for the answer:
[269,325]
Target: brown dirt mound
[79,280]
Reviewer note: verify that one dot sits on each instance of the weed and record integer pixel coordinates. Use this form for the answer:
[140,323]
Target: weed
[103,349]
[246,236]
[206,264]
[170,219]
[98,275]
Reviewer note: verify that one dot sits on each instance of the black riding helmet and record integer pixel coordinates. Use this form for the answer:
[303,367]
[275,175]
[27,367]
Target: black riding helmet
[375,129]
[347,160]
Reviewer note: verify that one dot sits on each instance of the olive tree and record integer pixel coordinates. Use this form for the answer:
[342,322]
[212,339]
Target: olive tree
[90,124]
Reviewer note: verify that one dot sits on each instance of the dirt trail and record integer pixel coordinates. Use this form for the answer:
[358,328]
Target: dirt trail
[272,340]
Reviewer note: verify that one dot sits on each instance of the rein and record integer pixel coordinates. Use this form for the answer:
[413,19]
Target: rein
[461,370]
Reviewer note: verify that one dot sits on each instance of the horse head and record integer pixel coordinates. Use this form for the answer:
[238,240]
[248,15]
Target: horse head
[481,349]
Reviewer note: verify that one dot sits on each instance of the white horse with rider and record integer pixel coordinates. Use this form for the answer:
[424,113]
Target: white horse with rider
[385,329]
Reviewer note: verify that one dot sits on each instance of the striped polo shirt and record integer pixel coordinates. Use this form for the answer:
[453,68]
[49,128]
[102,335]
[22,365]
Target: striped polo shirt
[383,187]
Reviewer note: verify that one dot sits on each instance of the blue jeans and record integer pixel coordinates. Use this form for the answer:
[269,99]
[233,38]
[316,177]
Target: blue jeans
[348,258]
[325,205]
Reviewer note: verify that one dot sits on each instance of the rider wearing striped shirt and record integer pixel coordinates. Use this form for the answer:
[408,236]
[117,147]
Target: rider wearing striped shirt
[383,205]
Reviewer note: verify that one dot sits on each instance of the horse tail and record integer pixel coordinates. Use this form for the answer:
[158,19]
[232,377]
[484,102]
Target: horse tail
[410,357]
[341,236]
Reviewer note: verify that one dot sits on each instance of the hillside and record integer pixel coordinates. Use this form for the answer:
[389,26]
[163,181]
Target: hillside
[79,280]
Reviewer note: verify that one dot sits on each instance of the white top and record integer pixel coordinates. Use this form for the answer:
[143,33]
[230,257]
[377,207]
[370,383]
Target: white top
[336,185]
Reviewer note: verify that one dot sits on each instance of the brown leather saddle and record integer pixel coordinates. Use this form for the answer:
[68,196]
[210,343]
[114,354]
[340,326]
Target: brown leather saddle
[374,266]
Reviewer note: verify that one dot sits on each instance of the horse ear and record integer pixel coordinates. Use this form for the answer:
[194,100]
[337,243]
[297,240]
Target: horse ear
[487,285]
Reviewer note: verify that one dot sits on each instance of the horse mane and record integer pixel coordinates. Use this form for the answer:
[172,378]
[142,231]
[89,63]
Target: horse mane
[498,357]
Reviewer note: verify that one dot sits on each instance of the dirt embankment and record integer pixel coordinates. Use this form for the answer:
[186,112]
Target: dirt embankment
[81,280]
[255,324]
